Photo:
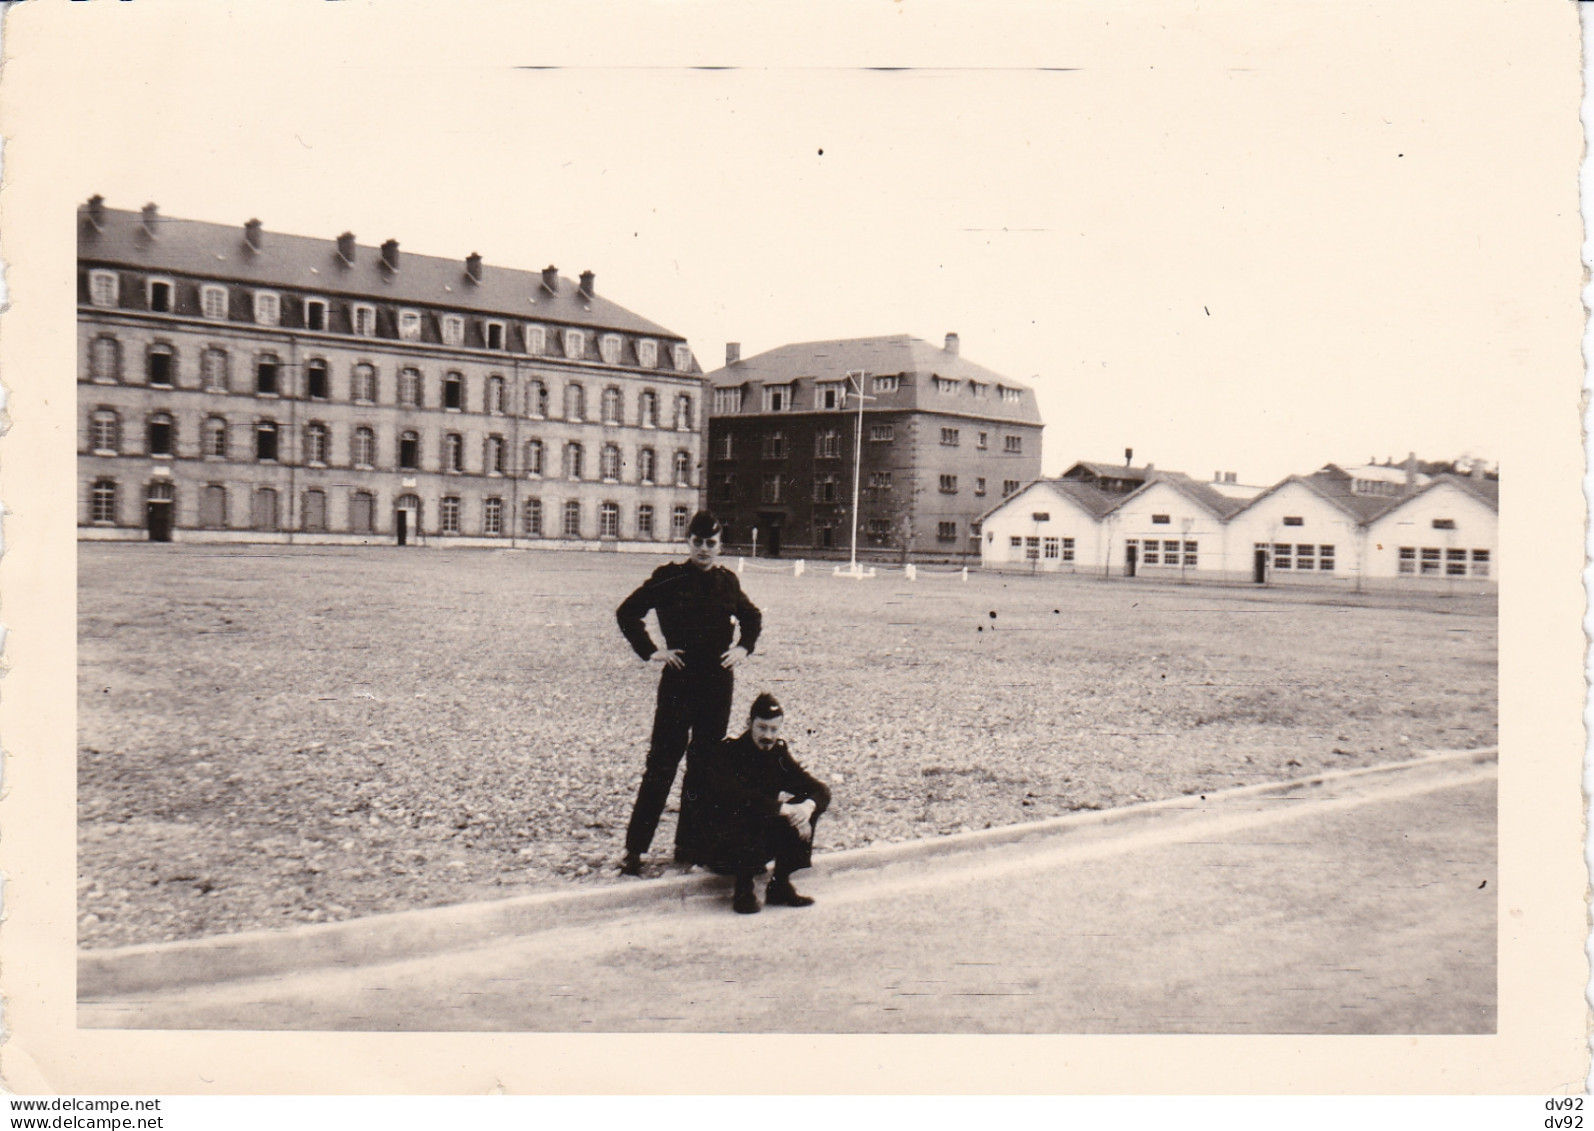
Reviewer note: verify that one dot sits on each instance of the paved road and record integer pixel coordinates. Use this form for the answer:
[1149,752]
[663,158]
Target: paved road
[1371,909]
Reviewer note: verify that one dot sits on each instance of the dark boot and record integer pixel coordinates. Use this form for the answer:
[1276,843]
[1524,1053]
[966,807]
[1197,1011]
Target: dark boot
[631,865]
[780,893]
[745,901]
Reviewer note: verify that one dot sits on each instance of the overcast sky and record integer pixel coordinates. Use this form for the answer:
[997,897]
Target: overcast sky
[1228,246]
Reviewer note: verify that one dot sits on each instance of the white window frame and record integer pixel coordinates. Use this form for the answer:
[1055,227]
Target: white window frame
[453,330]
[409,325]
[149,293]
[488,326]
[105,288]
[358,314]
[882,433]
[326,314]
[575,344]
[647,353]
[830,395]
[728,400]
[684,416]
[267,308]
[887,384]
[777,398]
[681,358]
[946,386]
[213,302]
[609,349]
[536,338]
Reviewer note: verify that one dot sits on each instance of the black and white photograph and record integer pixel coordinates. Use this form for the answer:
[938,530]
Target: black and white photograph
[782,531]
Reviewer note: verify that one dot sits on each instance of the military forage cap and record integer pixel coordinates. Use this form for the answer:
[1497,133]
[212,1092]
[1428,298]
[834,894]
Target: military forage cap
[766,706]
[703,525]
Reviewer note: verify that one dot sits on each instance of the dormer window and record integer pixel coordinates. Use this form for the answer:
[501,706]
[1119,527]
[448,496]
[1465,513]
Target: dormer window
[647,353]
[829,395]
[575,344]
[162,294]
[453,330]
[727,401]
[886,384]
[946,386]
[409,325]
[315,314]
[104,288]
[268,308]
[1012,396]
[682,358]
[609,349]
[213,302]
[777,398]
[494,333]
[364,320]
[536,338]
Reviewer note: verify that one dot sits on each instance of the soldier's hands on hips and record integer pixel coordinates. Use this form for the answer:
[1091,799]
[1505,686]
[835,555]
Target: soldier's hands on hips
[734,655]
[670,657]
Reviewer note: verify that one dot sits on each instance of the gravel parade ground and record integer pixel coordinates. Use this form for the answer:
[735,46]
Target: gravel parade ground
[280,735]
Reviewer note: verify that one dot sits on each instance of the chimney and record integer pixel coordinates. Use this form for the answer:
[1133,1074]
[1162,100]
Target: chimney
[97,211]
[550,279]
[1129,457]
[952,344]
[1477,470]
[588,281]
[1411,471]
[152,216]
[733,352]
[1217,477]
[473,267]
[346,247]
[390,255]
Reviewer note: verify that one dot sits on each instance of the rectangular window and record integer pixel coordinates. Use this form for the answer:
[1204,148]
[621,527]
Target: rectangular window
[1015,542]
[886,384]
[1040,516]
[1012,396]
[727,401]
[1032,549]
[268,308]
[949,484]
[453,330]
[1293,520]
[1430,561]
[1281,555]
[879,527]
[1455,563]
[531,518]
[647,356]
[982,441]
[609,520]
[1480,563]
[946,386]
[772,487]
[1325,559]
[1408,559]
[317,383]
[160,296]
[536,339]
[315,314]
[829,395]
[725,447]
[1444,524]
[827,444]
[979,485]
[213,302]
[104,288]
[1013,445]
[364,320]
[1190,553]
[575,344]
[946,532]
[774,445]
[1305,557]
[409,325]
[777,398]
[449,514]
[1160,519]
[678,520]
[609,349]
[879,481]
[1008,487]
[644,521]
[949,437]
[827,488]
[682,357]
[494,334]
[1149,553]
[493,516]
[266,376]
[882,433]
[1053,549]
[1068,549]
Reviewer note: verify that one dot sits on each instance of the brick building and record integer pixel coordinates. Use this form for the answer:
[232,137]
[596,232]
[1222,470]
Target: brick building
[242,385]
[942,440]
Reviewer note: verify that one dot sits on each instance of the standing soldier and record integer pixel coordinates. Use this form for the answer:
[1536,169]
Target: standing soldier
[700,606]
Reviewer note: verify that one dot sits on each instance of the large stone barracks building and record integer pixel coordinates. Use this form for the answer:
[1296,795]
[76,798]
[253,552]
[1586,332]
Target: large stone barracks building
[241,385]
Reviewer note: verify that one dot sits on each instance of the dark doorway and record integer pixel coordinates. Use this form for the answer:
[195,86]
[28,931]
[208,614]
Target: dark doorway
[158,516]
[401,523]
[1259,566]
[769,534]
[1131,556]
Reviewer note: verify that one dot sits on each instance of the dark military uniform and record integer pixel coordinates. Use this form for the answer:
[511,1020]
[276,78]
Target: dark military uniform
[730,808]
[699,611]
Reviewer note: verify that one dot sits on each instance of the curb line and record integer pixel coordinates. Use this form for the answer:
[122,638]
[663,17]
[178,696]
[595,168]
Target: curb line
[397,935]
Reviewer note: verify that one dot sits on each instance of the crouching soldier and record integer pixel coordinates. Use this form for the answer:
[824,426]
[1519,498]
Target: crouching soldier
[745,802]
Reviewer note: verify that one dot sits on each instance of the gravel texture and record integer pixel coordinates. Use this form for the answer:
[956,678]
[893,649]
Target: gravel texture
[281,735]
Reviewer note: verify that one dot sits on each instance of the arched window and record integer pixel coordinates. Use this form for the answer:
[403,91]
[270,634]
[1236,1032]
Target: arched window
[266,366]
[364,383]
[105,359]
[213,507]
[575,402]
[316,444]
[453,452]
[609,463]
[492,516]
[644,521]
[534,458]
[266,440]
[105,432]
[102,501]
[409,387]
[683,413]
[315,510]
[573,459]
[531,518]
[650,409]
[263,509]
[213,365]
[362,512]
[160,365]
[495,395]
[364,447]
[161,434]
[572,527]
[215,437]
[609,520]
[647,463]
[537,399]
[683,469]
[493,455]
[409,451]
[454,391]
[317,380]
[611,405]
